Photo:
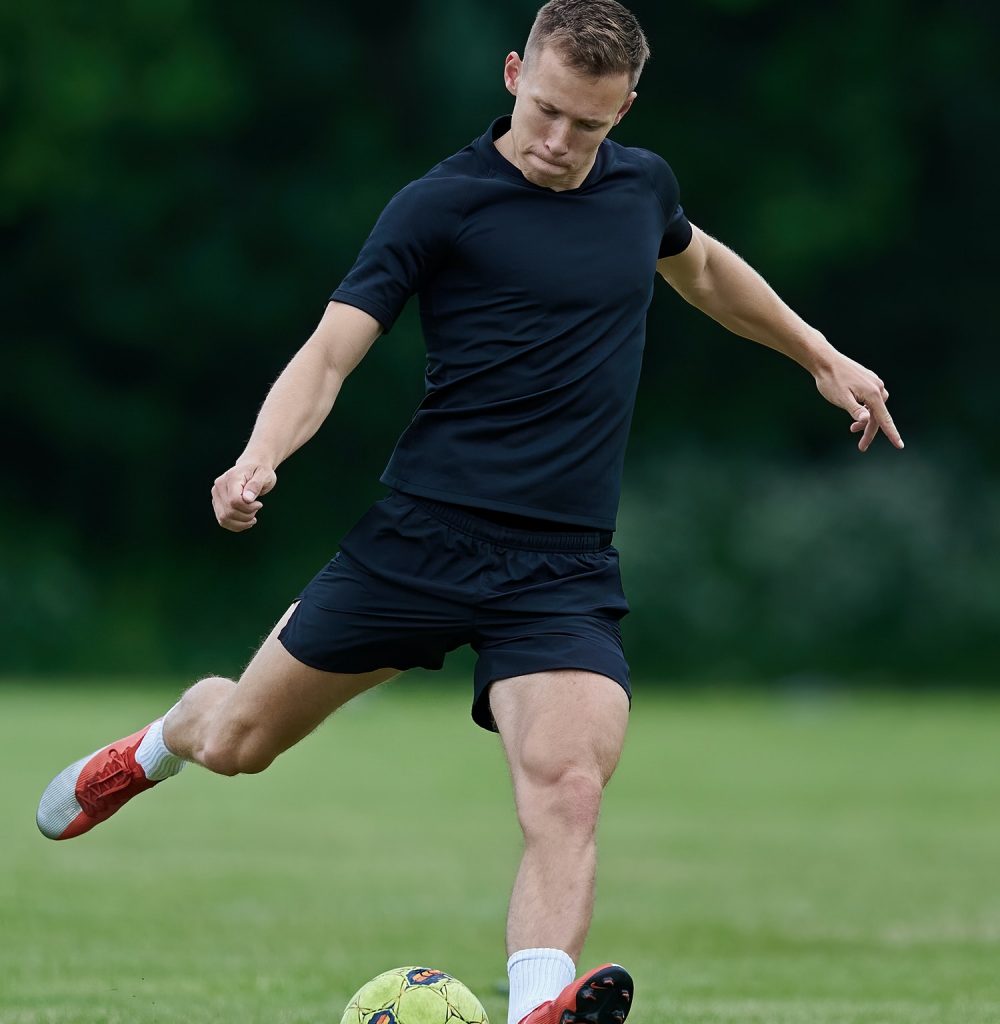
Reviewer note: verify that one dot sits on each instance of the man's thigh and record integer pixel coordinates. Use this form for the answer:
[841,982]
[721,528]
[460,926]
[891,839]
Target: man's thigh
[281,700]
[542,648]
[555,722]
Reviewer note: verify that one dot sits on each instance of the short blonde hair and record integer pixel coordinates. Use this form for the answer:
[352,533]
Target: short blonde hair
[595,37]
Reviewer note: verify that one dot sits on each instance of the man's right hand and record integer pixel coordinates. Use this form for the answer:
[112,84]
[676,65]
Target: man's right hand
[235,494]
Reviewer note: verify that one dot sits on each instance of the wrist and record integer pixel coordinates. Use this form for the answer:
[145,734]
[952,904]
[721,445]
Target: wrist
[259,457]
[818,355]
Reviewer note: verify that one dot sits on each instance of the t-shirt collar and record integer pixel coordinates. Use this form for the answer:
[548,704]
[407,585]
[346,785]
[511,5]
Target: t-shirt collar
[486,147]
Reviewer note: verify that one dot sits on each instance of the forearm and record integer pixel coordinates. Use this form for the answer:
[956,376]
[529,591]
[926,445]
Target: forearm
[732,293]
[303,395]
[716,281]
[295,408]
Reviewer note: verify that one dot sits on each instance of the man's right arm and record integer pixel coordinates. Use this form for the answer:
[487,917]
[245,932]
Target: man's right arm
[297,404]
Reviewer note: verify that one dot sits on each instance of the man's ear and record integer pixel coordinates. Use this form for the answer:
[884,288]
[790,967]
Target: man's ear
[513,67]
[624,109]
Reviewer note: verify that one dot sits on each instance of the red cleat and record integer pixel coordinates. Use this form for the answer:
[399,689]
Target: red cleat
[604,996]
[90,790]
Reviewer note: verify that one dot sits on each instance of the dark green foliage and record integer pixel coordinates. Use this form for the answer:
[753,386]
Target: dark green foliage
[182,185]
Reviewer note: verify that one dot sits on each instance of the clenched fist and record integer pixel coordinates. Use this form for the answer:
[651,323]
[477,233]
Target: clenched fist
[235,494]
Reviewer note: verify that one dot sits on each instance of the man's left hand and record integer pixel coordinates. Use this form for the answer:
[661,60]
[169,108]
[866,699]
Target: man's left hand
[863,394]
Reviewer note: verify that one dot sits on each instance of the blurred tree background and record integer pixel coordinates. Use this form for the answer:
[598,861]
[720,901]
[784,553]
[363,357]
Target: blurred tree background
[182,185]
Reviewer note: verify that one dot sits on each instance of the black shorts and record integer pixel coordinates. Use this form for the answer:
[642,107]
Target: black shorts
[415,579]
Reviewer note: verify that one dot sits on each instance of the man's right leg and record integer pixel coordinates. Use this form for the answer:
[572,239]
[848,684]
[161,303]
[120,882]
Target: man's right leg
[227,727]
[240,728]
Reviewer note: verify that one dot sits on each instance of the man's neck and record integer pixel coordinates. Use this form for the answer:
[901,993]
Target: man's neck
[505,147]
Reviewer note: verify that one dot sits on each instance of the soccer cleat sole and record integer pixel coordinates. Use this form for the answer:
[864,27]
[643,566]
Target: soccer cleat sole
[605,997]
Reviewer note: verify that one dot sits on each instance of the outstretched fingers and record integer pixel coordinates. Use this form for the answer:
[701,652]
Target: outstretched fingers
[865,424]
[862,394]
[877,418]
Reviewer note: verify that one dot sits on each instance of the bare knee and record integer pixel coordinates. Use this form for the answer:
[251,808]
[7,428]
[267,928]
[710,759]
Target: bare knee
[235,748]
[563,803]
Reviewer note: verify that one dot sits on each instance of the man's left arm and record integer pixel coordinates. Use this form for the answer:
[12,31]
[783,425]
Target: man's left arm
[716,281]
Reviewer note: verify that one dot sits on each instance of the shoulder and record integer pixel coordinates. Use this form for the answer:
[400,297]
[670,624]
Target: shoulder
[652,167]
[426,202]
[443,190]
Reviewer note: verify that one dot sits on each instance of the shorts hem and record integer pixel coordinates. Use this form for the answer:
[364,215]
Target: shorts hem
[482,714]
[314,663]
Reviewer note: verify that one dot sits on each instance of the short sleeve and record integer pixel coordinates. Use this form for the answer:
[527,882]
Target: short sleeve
[410,238]
[677,230]
[676,235]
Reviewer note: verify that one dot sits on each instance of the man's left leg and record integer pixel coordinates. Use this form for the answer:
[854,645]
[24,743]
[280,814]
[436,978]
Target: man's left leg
[563,733]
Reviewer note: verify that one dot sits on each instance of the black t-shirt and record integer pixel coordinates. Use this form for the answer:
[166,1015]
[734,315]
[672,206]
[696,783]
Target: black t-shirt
[533,305]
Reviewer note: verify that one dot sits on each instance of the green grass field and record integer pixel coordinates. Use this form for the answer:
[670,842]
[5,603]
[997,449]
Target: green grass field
[764,861]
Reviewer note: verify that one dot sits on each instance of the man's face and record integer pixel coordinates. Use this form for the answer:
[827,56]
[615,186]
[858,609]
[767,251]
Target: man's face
[560,117]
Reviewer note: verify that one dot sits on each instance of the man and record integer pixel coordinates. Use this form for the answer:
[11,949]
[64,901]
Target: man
[533,251]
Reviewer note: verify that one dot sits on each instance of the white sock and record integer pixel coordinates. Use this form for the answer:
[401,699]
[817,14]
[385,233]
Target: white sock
[536,975]
[154,758]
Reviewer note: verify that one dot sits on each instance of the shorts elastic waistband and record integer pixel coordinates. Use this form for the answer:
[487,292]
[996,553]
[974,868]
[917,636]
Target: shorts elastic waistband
[511,537]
